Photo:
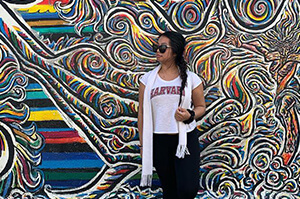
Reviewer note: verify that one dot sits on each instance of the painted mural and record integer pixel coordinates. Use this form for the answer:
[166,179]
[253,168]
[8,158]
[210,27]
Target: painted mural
[69,78]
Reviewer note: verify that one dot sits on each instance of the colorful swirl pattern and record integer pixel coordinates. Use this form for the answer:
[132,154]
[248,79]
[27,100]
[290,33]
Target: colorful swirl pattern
[255,14]
[87,62]
[20,146]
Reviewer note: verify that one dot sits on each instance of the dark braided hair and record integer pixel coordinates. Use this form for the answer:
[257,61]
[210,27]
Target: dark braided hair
[177,42]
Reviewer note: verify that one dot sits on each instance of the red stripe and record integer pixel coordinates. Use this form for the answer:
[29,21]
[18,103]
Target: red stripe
[62,137]
[60,134]
[51,2]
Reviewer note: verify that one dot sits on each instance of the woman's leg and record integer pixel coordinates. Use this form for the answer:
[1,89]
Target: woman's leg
[187,169]
[164,147]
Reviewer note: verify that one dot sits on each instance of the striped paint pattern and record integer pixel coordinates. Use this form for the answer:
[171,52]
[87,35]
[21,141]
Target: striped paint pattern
[67,160]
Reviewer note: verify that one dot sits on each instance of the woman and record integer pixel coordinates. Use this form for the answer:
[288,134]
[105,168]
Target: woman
[170,99]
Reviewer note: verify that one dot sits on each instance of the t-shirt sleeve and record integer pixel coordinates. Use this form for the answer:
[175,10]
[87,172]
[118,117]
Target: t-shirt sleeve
[196,81]
[144,78]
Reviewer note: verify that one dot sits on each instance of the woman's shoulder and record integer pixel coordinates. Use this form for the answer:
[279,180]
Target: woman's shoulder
[194,77]
[144,78]
[192,74]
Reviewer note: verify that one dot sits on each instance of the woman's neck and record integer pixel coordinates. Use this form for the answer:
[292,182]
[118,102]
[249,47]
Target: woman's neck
[170,67]
[169,71]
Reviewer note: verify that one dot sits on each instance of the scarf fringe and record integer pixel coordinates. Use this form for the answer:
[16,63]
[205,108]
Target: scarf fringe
[146,181]
[182,150]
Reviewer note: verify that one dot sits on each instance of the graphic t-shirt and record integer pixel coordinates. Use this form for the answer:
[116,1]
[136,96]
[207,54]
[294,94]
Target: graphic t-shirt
[164,101]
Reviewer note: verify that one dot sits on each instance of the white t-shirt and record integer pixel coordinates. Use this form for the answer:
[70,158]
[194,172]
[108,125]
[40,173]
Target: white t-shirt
[164,102]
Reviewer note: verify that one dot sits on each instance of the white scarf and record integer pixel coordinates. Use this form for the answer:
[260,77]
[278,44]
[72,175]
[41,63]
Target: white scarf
[147,160]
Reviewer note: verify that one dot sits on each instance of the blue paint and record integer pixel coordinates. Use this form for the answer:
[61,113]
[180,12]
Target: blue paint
[70,160]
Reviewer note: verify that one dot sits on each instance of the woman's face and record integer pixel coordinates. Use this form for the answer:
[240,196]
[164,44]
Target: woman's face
[168,56]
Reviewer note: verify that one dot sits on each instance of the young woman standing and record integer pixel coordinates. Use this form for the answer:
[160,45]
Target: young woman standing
[170,99]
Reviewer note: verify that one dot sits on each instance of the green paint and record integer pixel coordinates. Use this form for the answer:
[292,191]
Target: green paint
[47,30]
[1,187]
[138,176]
[70,175]
[36,95]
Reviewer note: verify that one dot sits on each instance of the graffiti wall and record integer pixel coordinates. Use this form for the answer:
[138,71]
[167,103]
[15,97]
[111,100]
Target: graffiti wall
[69,78]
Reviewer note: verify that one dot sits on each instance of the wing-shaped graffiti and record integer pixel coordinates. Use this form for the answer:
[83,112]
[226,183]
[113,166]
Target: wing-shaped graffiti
[78,80]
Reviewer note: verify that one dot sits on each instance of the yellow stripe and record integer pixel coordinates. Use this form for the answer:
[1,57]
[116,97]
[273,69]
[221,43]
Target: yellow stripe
[44,116]
[87,91]
[39,8]
[11,112]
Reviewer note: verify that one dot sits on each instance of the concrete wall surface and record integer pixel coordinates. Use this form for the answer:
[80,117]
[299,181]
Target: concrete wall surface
[69,79]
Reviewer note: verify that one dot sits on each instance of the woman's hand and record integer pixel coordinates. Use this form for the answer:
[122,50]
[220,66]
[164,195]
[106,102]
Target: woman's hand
[182,114]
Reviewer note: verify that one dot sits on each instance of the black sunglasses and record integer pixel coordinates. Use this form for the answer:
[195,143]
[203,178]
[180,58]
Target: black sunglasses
[162,48]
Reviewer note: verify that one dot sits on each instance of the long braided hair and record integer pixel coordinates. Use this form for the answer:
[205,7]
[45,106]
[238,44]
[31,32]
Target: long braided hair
[178,45]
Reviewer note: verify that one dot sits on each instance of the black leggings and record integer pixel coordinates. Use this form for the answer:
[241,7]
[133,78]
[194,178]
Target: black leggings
[179,177]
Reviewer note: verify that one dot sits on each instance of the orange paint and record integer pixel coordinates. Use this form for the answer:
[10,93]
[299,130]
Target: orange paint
[286,157]
[64,140]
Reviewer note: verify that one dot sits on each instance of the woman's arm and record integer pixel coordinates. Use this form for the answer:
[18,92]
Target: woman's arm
[198,99]
[140,112]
